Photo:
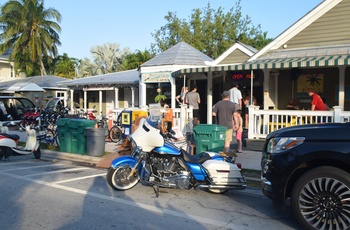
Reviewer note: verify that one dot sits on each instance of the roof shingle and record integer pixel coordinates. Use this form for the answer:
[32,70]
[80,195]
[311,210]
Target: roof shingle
[179,54]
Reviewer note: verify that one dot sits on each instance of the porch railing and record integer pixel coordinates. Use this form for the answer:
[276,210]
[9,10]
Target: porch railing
[262,122]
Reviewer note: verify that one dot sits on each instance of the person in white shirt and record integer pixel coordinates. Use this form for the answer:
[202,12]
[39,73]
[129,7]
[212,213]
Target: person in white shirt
[236,98]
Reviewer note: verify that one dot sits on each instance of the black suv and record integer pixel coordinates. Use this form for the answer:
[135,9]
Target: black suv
[310,164]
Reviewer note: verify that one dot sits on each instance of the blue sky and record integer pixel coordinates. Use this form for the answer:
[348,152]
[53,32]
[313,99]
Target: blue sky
[88,23]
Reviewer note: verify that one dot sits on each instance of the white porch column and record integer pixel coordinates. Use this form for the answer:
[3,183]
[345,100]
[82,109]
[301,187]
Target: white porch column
[116,97]
[100,102]
[341,86]
[142,93]
[267,100]
[276,89]
[266,88]
[85,100]
[269,89]
[12,74]
[132,97]
[173,92]
[210,98]
[71,100]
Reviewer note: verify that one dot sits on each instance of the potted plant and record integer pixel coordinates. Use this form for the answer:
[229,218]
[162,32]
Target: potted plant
[160,97]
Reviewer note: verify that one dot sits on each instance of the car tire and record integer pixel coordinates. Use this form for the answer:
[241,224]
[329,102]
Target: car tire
[320,199]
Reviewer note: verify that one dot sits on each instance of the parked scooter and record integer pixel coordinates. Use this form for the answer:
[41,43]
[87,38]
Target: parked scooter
[157,162]
[8,143]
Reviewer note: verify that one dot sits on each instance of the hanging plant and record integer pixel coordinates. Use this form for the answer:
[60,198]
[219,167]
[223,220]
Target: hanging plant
[159,97]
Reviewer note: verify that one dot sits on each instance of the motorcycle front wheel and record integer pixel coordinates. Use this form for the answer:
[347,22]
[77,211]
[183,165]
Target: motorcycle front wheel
[118,178]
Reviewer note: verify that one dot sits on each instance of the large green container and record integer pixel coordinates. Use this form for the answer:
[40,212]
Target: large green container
[209,137]
[64,136]
[78,139]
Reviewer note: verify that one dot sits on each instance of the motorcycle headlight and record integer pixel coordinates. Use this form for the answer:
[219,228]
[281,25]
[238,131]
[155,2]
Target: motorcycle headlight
[282,144]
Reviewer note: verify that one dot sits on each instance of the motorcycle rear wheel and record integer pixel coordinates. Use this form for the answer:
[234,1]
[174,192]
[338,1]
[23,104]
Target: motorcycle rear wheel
[37,153]
[5,152]
[118,179]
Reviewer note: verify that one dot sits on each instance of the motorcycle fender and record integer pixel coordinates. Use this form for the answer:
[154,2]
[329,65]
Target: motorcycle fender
[7,142]
[123,160]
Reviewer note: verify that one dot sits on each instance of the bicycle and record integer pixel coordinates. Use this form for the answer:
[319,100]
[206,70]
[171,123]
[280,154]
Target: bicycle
[115,133]
[50,136]
[103,124]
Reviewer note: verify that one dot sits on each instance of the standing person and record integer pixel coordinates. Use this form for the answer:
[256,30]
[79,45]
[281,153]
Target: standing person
[192,98]
[316,101]
[246,103]
[223,111]
[181,97]
[239,130]
[236,97]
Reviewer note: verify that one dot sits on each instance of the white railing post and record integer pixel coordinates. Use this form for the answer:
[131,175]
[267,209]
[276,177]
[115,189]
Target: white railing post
[336,114]
[251,120]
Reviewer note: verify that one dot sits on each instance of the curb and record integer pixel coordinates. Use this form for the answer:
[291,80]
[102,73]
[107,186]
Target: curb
[49,155]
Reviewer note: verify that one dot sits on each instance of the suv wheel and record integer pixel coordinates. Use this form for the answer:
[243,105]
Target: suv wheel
[320,199]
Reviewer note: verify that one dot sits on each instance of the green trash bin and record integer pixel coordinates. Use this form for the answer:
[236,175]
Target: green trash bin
[209,137]
[64,136]
[78,140]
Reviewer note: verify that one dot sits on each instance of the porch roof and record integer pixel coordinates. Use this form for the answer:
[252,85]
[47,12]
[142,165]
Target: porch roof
[129,78]
[277,63]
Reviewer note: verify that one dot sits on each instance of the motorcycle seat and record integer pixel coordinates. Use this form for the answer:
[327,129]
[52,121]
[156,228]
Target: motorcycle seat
[198,158]
[14,137]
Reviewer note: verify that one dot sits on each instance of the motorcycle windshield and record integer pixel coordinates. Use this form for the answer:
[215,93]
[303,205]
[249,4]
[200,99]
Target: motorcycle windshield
[147,137]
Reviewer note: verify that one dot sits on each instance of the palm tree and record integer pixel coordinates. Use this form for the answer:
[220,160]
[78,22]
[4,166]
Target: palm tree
[66,66]
[134,60]
[31,32]
[107,58]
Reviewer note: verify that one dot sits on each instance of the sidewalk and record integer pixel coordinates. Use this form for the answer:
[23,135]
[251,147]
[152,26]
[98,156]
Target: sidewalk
[250,158]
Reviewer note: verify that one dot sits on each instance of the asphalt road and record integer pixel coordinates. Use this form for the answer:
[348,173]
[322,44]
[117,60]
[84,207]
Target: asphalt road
[60,194]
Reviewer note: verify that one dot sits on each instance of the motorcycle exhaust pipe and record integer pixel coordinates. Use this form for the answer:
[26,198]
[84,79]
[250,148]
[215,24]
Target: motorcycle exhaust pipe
[232,187]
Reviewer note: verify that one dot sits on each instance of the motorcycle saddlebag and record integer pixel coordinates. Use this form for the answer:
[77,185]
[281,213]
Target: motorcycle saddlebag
[223,173]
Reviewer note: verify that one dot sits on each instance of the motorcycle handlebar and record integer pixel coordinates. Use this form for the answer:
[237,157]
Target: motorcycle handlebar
[168,135]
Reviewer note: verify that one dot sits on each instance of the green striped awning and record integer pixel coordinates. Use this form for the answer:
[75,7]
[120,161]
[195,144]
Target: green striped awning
[280,63]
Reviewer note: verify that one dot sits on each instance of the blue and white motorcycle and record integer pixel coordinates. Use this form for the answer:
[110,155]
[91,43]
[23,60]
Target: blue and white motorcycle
[157,162]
